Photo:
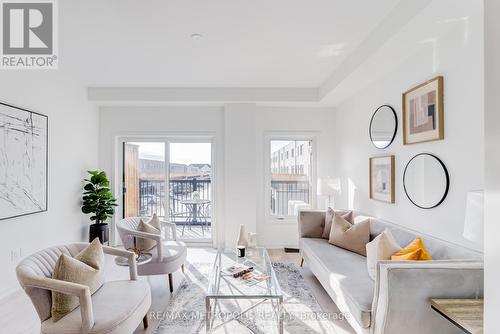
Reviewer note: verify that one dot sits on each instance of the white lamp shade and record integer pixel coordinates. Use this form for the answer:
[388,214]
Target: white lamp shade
[474,217]
[327,186]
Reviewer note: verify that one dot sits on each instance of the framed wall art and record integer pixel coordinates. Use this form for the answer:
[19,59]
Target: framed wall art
[423,112]
[23,161]
[382,179]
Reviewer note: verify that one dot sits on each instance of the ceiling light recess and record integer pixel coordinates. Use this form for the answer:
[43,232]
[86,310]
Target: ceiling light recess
[196,36]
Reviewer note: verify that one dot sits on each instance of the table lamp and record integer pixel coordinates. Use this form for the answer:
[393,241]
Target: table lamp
[474,217]
[327,187]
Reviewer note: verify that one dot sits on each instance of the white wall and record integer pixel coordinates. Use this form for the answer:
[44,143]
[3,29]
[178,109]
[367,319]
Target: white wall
[239,130]
[492,142]
[457,54]
[73,132]
[240,190]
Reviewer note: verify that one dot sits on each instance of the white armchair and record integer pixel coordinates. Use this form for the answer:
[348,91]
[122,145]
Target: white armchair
[169,255]
[109,310]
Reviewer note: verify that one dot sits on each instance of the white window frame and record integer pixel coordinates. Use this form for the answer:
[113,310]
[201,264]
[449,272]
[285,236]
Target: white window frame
[267,173]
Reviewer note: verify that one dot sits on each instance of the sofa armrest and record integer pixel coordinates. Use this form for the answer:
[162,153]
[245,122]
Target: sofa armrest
[69,288]
[146,235]
[403,290]
[173,229]
[132,264]
[311,223]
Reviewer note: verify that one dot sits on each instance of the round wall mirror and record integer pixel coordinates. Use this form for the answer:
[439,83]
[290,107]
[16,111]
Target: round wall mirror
[383,126]
[426,181]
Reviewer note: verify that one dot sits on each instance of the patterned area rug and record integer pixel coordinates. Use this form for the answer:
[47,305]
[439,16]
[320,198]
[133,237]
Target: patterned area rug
[185,312]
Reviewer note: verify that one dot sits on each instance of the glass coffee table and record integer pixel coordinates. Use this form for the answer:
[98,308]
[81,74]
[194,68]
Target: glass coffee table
[224,287]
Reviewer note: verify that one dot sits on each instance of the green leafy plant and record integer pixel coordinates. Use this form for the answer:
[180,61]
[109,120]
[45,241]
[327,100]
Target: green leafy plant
[98,198]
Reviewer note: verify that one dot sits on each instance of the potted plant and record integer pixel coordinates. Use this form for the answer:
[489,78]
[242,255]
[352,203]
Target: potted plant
[195,195]
[99,201]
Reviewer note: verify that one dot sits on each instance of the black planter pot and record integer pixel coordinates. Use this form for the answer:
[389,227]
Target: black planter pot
[100,231]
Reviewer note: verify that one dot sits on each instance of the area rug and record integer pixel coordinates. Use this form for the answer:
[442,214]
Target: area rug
[185,312]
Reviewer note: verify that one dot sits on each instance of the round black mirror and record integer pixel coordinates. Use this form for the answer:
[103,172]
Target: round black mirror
[426,181]
[383,126]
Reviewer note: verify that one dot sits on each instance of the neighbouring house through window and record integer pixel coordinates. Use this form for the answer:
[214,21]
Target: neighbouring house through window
[291,176]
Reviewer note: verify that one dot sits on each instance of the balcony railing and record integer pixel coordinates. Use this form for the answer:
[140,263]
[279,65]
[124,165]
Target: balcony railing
[152,197]
[282,192]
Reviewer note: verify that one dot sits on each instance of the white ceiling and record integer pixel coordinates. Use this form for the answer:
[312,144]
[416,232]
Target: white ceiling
[258,43]
[442,26]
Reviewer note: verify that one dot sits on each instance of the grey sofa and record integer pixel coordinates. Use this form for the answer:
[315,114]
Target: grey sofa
[398,300]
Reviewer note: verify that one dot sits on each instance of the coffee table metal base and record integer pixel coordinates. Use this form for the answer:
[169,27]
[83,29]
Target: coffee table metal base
[209,320]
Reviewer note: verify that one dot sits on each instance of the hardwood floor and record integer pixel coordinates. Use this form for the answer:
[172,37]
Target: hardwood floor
[17,314]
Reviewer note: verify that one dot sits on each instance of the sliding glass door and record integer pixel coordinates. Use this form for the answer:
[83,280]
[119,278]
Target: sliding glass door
[190,179]
[172,178]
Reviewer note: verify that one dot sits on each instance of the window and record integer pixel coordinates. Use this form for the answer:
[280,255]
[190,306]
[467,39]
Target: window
[291,189]
[159,176]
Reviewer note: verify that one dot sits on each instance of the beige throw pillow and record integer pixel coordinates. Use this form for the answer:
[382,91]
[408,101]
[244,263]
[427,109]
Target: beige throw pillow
[347,215]
[155,222]
[353,237]
[144,244]
[85,268]
[381,248]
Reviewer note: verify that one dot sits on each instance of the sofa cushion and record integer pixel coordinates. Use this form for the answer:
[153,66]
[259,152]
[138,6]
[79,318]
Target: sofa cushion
[172,250]
[342,273]
[85,268]
[330,214]
[380,248]
[155,222]
[145,244]
[415,250]
[439,249]
[353,237]
[109,316]
[312,223]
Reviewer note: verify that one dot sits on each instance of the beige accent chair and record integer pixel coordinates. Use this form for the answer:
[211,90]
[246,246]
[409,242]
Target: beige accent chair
[117,307]
[169,255]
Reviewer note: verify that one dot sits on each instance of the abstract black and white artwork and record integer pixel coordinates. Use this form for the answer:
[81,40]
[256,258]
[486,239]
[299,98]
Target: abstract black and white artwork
[23,161]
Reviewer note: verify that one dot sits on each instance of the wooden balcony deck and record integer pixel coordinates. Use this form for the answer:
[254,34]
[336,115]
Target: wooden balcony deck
[194,233]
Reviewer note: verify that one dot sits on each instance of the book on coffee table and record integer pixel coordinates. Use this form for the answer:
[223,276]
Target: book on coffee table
[253,278]
[234,269]
[245,273]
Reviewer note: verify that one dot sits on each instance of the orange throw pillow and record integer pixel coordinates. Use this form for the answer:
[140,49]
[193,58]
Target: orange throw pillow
[414,251]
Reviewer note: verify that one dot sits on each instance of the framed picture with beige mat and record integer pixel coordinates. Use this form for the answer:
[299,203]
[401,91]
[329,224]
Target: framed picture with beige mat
[423,112]
[382,180]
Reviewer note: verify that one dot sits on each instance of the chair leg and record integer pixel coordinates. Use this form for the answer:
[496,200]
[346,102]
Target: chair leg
[182,268]
[302,262]
[171,282]
[145,321]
